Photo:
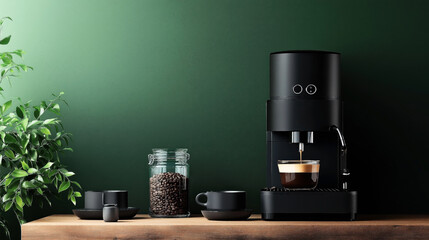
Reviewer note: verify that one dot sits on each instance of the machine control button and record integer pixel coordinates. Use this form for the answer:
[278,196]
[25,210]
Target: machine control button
[297,89]
[311,89]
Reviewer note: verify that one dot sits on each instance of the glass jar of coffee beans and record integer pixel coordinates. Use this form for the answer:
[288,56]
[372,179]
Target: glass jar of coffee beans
[169,182]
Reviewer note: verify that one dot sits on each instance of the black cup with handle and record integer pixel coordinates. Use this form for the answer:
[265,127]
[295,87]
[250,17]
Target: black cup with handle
[223,200]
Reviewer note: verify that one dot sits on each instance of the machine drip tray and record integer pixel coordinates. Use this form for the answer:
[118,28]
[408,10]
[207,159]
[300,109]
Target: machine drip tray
[317,204]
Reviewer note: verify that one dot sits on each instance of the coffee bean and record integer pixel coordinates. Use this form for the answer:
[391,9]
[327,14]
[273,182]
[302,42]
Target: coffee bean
[169,194]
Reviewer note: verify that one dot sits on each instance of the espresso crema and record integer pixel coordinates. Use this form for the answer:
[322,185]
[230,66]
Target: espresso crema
[299,175]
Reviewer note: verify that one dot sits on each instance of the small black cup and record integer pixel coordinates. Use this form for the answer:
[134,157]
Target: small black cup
[223,200]
[93,200]
[110,213]
[118,197]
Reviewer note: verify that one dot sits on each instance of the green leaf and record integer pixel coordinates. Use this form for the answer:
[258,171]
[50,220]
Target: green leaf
[3,135]
[18,207]
[7,18]
[25,140]
[19,201]
[64,186]
[42,108]
[56,107]
[10,139]
[33,155]
[70,193]
[24,165]
[20,111]
[5,40]
[48,165]
[40,179]
[34,122]
[69,174]
[16,148]
[68,149]
[8,181]
[49,121]
[52,173]
[6,106]
[24,123]
[8,196]
[2,128]
[29,200]
[18,52]
[47,180]
[45,131]
[36,113]
[73,200]
[34,139]
[60,178]
[23,67]
[40,191]
[7,206]
[9,154]
[7,60]
[77,184]
[77,194]
[13,186]
[18,173]
[28,184]
[31,170]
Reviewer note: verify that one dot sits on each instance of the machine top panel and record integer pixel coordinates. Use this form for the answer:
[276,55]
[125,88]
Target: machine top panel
[305,75]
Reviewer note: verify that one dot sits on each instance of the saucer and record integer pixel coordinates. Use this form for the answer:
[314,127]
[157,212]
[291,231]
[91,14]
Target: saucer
[227,215]
[124,213]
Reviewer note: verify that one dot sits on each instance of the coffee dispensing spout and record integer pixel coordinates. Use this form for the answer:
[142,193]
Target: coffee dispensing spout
[301,147]
[296,138]
[343,157]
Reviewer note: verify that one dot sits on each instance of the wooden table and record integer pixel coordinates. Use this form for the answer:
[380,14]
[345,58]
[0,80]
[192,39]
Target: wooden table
[144,227]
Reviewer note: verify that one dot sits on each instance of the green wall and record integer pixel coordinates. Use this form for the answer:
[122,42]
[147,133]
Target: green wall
[195,74]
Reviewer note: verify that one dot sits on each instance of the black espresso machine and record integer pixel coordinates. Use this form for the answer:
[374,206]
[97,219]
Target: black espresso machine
[305,109]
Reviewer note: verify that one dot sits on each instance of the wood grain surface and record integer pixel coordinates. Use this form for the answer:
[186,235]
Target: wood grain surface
[144,227]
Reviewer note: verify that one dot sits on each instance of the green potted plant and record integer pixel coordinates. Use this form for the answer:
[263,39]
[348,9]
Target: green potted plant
[31,142]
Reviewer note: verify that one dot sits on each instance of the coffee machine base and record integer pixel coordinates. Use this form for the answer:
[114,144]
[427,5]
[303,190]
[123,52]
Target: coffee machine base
[319,204]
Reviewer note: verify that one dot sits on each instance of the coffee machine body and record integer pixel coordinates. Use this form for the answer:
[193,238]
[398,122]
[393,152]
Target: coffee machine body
[305,109]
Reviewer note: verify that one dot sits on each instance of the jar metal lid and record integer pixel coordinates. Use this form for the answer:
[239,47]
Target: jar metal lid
[180,155]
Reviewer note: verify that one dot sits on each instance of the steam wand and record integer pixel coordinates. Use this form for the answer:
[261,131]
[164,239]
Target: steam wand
[343,157]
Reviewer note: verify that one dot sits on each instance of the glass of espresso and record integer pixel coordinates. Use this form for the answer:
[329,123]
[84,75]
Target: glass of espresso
[299,174]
